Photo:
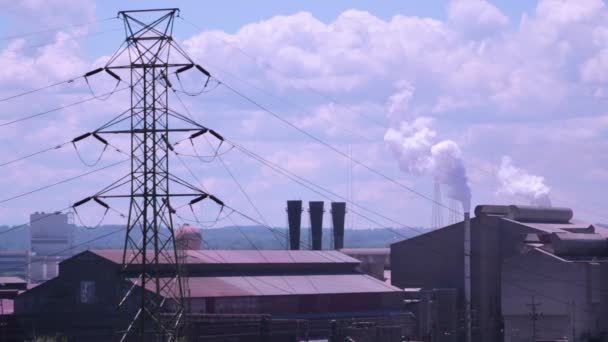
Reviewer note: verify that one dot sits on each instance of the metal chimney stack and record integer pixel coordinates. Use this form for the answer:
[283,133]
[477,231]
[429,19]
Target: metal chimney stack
[315,209]
[338,213]
[294,218]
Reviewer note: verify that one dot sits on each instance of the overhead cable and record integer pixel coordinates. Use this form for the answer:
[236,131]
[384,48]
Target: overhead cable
[66,180]
[57,108]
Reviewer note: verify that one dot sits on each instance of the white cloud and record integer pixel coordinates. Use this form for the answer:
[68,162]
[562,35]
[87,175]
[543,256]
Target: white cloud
[492,87]
[476,18]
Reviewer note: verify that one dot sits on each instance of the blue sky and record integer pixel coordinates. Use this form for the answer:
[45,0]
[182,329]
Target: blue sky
[506,98]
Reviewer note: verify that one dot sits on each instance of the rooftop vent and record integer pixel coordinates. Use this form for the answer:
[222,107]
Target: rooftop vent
[539,214]
[491,210]
[571,244]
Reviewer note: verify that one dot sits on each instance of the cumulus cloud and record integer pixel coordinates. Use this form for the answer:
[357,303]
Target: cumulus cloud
[474,60]
[476,18]
[518,182]
[50,12]
[474,73]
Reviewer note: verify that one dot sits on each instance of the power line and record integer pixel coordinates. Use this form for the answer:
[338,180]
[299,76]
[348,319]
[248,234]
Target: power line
[59,108]
[267,66]
[72,38]
[53,29]
[66,180]
[40,89]
[336,150]
[36,220]
[55,147]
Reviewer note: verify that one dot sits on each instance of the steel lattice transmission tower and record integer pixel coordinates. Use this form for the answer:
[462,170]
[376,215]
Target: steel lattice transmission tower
[150,248]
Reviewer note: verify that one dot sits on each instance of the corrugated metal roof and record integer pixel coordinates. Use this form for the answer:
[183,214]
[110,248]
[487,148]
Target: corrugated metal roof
[245,256]
[367,251]
[569,227]
[283,285]
[11,280]
[7,306]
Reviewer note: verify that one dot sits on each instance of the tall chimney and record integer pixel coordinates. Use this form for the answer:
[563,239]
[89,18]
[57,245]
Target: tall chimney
[294,218]
[315,208]
[338,211]
[467,276]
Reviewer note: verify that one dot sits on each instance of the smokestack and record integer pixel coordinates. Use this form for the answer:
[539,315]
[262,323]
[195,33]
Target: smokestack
[338,211]
[467,275]
[315,208]
[294,218]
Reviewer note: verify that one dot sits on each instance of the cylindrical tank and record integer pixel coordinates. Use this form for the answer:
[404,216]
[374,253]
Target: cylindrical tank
[188,237]
[525,213]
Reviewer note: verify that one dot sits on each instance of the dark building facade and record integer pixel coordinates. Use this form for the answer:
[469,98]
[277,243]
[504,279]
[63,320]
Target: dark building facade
[435,260]
[81,302]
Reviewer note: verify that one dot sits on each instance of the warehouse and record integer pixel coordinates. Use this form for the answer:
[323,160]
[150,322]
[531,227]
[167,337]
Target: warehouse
[510,247]
[285,284]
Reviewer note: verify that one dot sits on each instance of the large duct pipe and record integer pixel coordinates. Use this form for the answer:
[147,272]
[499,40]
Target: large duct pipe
[467,276]
[294,218]
[338,212]
[315,209]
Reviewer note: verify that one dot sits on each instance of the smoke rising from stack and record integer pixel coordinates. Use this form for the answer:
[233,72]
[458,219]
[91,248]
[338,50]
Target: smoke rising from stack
[518,182]
[415,147]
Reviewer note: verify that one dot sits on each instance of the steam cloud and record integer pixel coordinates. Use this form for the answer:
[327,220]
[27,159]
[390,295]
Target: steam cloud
[518,182]
[414,147]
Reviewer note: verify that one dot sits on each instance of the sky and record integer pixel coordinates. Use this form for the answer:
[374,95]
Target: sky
[498,102]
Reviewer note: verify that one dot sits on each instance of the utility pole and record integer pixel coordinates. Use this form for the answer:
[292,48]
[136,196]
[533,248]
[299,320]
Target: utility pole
[573,321]
[150,259]
[534,316]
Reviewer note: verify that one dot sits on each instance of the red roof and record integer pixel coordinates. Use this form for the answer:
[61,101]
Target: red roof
[6,306]
[245,286]
[243,256]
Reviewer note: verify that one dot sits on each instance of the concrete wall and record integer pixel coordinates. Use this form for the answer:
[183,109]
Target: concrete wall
[569,296]
[435,260]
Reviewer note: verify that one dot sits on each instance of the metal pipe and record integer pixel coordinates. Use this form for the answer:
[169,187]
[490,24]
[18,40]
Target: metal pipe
[467,276]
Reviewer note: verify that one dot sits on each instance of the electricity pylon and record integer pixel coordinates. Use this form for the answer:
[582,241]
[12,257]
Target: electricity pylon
[150,250]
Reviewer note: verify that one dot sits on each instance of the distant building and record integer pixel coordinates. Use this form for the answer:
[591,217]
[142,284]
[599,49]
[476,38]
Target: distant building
[374,261]
[316,286]
[51,240]
[15,263]
[517,253]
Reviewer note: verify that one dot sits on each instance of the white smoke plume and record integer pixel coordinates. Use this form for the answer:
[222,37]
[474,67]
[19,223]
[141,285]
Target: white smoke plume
[417,152]
[518,182]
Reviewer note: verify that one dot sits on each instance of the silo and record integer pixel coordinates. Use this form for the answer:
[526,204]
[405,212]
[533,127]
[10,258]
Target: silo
[338,213]
[315,209]
[294,218]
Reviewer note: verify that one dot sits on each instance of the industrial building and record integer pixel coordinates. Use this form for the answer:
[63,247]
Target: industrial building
[374,261]
[15,262]
[536,274]
[296,285]
[51,241]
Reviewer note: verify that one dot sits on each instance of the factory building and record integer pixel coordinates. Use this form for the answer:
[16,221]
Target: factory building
[15,262]
[300,285]
[536,274]
[374,261]
[51,240]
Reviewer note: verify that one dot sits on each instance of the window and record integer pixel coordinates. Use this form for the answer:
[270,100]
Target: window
[87,292]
